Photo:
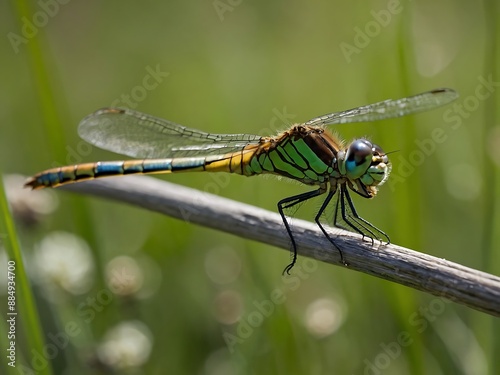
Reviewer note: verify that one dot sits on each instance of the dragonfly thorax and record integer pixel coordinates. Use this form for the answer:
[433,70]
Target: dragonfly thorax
[365,166]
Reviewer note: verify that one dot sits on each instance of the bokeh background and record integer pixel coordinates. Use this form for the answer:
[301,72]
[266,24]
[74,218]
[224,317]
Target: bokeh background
[120,289]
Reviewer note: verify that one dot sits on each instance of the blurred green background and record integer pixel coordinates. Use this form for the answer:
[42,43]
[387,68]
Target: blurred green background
[153,295]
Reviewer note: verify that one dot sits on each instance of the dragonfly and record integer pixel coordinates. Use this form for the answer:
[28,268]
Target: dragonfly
[308,152]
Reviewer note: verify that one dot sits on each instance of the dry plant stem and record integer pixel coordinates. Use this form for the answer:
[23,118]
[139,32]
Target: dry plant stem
[463,285]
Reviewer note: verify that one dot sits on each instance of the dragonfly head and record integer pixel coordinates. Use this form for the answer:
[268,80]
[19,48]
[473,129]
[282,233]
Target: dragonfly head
[366,165]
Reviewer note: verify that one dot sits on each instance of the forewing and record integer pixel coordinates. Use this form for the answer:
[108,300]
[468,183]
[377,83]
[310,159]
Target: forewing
[139,135]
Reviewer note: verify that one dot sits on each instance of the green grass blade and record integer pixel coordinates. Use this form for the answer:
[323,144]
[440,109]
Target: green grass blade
[25,303]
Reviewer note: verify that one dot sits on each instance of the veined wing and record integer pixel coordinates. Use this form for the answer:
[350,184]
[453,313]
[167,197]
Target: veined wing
[139,135]
[388,108]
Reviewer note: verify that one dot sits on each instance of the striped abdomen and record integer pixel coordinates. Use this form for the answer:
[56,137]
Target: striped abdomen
[55,177]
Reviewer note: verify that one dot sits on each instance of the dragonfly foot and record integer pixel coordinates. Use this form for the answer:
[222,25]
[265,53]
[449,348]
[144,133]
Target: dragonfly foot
[369,239]
[288,268]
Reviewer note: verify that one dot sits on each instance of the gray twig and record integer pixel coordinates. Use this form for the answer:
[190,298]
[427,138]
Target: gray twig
[463,285]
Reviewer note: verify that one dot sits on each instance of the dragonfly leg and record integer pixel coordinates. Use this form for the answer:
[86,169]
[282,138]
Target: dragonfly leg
[325,204]
[335,217]
[346,218]
[290,202]
[366,225]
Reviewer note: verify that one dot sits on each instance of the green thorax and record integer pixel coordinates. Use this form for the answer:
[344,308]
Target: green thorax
[303,153]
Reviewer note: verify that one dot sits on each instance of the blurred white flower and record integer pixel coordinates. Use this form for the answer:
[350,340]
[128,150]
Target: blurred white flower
[27,205]
[222,265]
[127,276]
[65,260]
[219,362]
[324,316]
[126,345]
[228,306]
[124,276]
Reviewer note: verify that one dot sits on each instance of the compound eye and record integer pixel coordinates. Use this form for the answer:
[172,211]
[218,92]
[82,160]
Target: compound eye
[377,150]
[359,151]
[380,156]
[358,158]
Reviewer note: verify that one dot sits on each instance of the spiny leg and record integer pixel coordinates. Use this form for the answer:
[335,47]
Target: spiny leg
[323,207]
[366,225]
[335,217]
[290,202]
[345,216]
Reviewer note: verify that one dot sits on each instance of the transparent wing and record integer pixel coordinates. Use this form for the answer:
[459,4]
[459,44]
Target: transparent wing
[388,108]
[139,135]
